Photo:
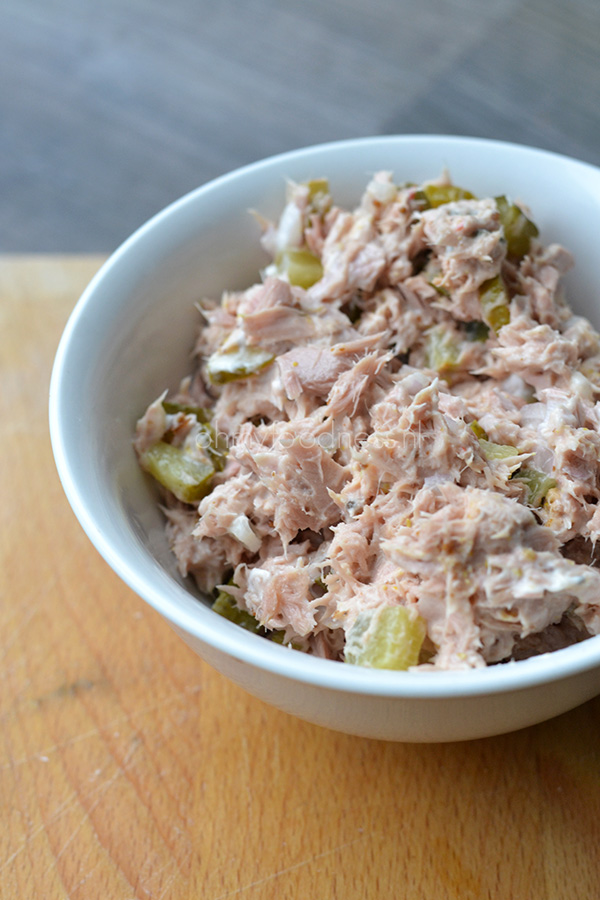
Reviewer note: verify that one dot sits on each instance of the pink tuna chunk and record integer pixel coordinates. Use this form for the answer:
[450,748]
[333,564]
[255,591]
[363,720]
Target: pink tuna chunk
[290,460]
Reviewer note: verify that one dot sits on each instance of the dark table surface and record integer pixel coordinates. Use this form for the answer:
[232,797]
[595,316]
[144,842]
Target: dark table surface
[110,111]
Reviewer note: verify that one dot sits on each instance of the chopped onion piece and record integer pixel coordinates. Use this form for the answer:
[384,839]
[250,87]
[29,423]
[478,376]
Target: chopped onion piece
[290,230]
[382,191]
[242,531]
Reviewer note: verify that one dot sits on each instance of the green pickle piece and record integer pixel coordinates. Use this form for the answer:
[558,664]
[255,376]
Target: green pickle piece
[495,301]
[439,289]
[537,483]
[226,606]
[238,362]
[478,431]
[518,229]
[319,198]
[419,198]
[441,351]
[475,331]
[433,274]
[302,268]
[498,317]
[187,477]
[496,451]
[439,194]
[214,444]
[392,641]
[173,408]
[317,186]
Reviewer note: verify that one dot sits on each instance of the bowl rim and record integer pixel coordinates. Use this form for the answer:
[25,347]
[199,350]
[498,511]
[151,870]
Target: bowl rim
[223,635]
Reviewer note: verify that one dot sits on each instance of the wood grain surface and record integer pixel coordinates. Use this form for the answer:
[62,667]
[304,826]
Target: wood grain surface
[130,769]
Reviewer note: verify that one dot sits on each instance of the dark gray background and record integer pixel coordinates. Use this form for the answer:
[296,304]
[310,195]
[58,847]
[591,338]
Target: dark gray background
[110,110]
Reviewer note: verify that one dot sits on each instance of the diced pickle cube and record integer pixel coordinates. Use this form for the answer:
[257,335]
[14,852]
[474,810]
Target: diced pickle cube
[478,431]
[172,408]
[317,186]
[475,330]
[389,638]
[441,351]
[439,194]
[301,267]
[537,483]
[498,317]
[418,199]
[319,198]
[497,451]
[237,362]
[226,606]
[433,274]
[495,301]
[214,444]
[187,477]
[518,229]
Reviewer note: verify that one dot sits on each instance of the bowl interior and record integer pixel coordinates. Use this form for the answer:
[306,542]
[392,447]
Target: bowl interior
[131,334]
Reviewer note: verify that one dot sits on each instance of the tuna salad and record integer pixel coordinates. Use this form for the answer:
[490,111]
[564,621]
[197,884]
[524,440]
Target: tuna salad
[388,450]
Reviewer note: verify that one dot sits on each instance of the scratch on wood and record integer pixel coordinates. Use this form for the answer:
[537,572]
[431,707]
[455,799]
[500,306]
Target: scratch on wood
[166,887]
[84,878]
[300,865]
[17,631]
[99,789]
[94,732]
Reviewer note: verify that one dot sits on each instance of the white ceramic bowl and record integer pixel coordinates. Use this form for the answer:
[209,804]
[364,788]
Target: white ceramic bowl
[130,336]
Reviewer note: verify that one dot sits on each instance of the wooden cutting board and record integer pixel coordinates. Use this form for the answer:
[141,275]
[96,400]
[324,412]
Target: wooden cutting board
[130,769]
